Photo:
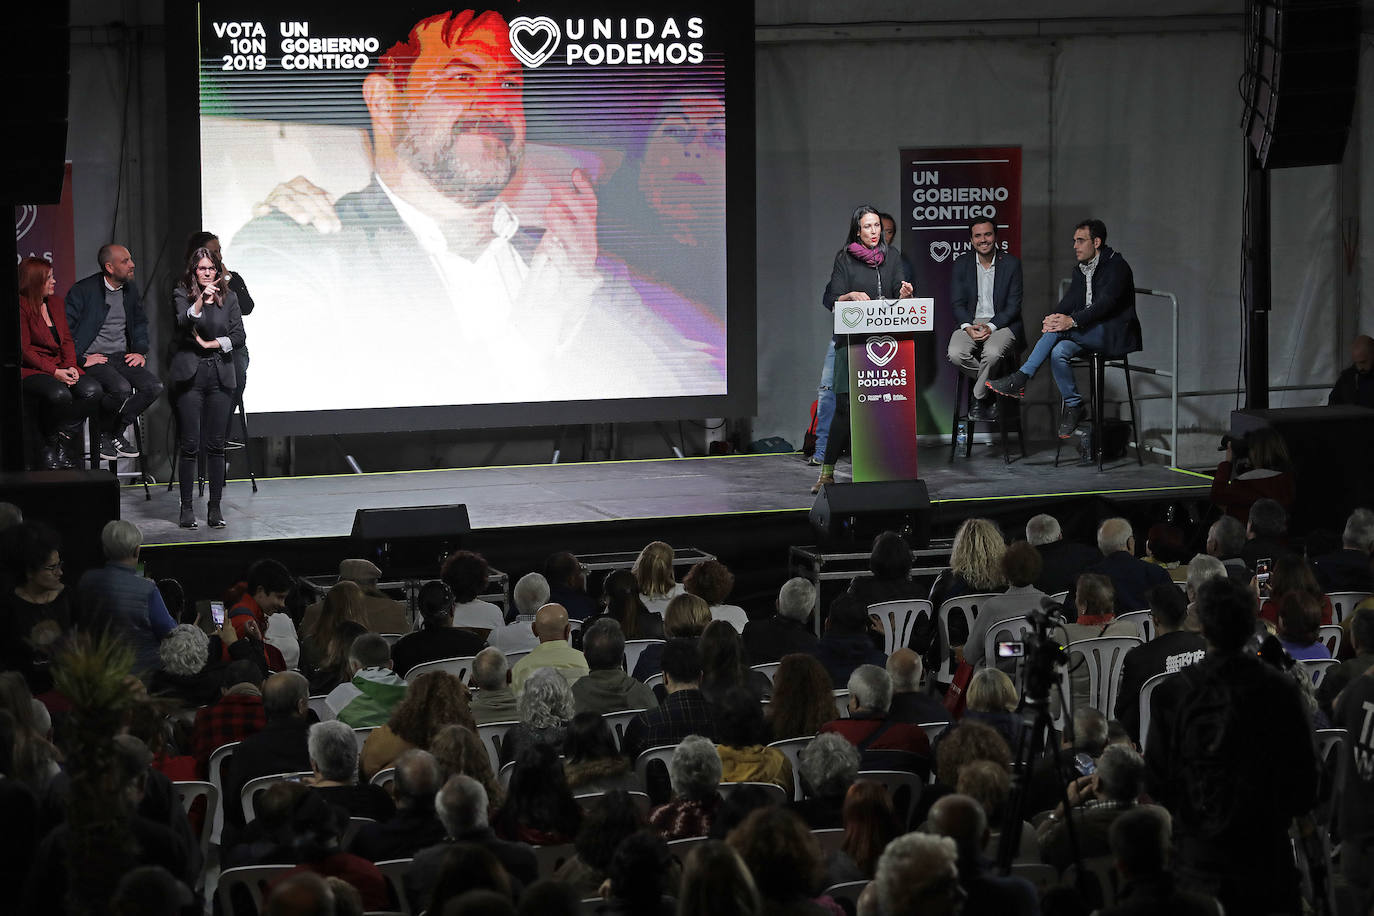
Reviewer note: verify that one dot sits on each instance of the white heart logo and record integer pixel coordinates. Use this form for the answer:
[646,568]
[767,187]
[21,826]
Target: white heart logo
[24,220]
[881,349]
[851,315]
[939,250]
[525,28]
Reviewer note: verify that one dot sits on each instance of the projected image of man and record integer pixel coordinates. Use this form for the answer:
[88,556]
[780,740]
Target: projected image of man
[430,251]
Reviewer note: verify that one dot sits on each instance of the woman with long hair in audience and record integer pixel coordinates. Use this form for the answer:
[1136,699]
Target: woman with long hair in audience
[870,823]
[711,580]
[539,809]
[620,600]
[431,702]
[209,326]
[686,617]
[546,706]
[606,822]
[48,367]
[1292,574]
[740,737]
[724,664]
[1299,619]
[35,759]
[653,570]
[784,859]
[1264,470]
[594,762]
[803,697]
[715,880]
[345,601]
[975,567]
[458,750]
[37,612]
[332,668]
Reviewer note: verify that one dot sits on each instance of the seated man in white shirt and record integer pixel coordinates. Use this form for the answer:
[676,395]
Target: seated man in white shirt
[529,595]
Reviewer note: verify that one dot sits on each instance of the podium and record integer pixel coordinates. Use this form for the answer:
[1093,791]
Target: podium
[886,492]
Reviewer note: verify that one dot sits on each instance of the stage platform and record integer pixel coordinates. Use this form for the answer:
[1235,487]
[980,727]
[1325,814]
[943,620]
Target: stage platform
[593,493]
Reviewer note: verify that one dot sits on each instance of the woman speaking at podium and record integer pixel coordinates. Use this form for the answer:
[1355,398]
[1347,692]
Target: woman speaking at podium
[865,268]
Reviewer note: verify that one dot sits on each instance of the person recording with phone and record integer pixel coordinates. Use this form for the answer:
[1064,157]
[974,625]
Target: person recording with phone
[209,328]
[866,268]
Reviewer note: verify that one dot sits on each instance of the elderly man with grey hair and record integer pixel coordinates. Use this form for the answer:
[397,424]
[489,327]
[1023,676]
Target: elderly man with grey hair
[193,667]
[494,700]
[531,592]
[695,773]
[281,745]
[1226,542]
[909,702]
[117,597]
[1202,569]
[545,707]
[1131,577]
[828,767]
[462,809]
[1095,802]
[1348,569]
[333,750]
[886,743]
[607,688]
[1061,560]
[768,640]
[416,824]
[917,873]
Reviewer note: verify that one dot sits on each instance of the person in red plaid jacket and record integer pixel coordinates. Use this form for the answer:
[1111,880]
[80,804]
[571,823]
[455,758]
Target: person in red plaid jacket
[237,714]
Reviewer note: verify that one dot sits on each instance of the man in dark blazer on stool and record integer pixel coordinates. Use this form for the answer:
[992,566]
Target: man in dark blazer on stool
[985,297]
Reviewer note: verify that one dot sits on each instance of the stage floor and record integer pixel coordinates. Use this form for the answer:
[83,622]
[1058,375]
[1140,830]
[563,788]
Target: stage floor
[592,492]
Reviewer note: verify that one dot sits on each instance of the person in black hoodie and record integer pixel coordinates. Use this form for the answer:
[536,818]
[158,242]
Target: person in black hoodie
[845,644]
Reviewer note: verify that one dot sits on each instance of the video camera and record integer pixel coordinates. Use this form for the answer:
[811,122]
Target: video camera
[1043,653]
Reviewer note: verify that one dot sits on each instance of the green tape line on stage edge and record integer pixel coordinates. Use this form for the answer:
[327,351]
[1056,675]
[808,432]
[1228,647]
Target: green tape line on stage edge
[979,499]
[508,467]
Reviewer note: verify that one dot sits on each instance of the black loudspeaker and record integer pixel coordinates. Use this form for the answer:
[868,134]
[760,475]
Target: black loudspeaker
[407,522]
[1302,61]
[40,74]
[75,503]
[1331,448]
[860,511]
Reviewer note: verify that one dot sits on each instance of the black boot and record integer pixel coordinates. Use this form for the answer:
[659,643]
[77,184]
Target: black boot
[213,516]
[66,444]
[188,515]
[50,456]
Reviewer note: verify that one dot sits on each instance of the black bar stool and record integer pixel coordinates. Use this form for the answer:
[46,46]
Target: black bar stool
[1097,364]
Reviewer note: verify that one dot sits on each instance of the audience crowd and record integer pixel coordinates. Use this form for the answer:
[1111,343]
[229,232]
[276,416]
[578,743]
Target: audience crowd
[468,752]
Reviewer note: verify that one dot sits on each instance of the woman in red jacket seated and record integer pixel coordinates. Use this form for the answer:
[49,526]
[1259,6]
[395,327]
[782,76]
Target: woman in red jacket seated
[66,396]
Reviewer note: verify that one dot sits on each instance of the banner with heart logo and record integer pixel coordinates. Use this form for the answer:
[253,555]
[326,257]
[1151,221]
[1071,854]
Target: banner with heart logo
[882,406]
[944,189]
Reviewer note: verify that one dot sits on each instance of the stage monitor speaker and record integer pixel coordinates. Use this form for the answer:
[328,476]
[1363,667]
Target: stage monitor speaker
[410,522]
[1302,64]
[77,504]
[859,511]
[40,74]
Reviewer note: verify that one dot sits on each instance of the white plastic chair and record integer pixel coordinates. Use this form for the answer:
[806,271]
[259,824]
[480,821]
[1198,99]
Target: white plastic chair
[1318,668]
[493,735]
[253,787]
[850,890]
[1060,597]
[966,606]
[899,784]
[1143,622]
[360,735]
[384,777]
[1104,657]
[829,839]
[663,753]
[190,790]
[654,680]
[517,655]
[216,768]
[550,858]
[1330,635]
[1013,629]
[771,788]
[1147,689]
[1343,603]
[504,776]
[897,618]
[354,825]
[395,871]
[792,749]
[321,708]
[842,704]
[619,721]
[634,648]
[1331,743]
[458,667]
[586,800]
[253,878]
[767,669]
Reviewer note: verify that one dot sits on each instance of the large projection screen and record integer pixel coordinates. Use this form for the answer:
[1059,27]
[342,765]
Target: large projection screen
[508,215]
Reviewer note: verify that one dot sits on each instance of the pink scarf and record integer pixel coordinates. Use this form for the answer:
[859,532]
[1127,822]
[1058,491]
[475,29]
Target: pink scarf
[873,257]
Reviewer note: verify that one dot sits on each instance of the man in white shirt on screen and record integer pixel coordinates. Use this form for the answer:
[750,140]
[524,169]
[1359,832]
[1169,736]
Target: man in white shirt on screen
[429,258]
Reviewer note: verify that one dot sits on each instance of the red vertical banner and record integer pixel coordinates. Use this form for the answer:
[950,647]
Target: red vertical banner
[943,190]
[48,231]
